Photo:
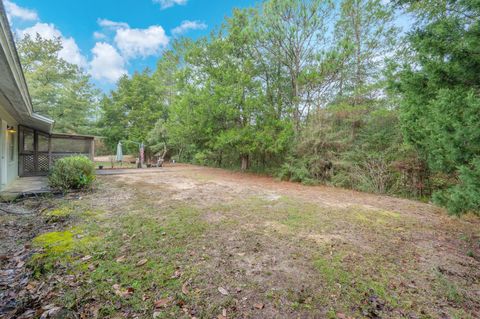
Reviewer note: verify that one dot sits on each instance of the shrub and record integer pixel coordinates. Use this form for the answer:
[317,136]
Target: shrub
[200,158]
[76,172]
[465,196]
[295,171]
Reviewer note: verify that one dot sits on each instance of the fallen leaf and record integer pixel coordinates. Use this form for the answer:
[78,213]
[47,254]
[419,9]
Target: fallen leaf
[125,293]
[341,315]
[162,303]
[224,312]
[184,288]
[259,305]
[50,313]
[223,291]
[142,262]
[120,259]
[221,317]
[177,274]
[86,258]
[31,286]
[48,307]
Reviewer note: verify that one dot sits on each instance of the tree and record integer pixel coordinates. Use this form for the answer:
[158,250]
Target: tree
[58,89]
[365,36]
[440,108]
[131,111]
[293,32]
[158,138]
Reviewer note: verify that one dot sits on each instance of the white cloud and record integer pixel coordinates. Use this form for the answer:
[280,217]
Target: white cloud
[14,11]
[164,4]
[107,64]
[188,25]
[99,35]
[109,24]
[141,42]
[70,51]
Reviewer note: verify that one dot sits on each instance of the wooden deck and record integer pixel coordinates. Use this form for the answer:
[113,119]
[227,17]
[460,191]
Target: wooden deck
[25,186]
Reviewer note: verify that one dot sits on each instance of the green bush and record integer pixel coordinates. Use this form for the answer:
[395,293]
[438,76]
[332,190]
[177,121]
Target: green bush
[465,196]
[200,158]
[295,171]
[75,172]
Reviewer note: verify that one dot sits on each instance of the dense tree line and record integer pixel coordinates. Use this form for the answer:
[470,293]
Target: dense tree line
[317,92]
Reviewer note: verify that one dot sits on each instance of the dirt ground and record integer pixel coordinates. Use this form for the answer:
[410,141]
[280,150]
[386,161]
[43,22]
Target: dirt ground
[189,241]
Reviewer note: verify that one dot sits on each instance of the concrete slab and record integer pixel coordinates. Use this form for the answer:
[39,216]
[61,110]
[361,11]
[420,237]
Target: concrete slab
[25,186]
[124,171]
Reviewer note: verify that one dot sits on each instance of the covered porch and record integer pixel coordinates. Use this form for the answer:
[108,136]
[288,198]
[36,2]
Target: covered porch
[38,150]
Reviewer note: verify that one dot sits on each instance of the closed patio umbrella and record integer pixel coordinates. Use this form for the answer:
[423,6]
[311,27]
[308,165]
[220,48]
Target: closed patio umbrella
[119,157]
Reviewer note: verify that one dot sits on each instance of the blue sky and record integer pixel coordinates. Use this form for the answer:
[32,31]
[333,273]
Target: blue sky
[108,38]
[111,37]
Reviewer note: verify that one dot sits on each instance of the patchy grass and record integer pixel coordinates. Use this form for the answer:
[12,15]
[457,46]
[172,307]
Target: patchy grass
[104,256]
[134,242]
[60,214]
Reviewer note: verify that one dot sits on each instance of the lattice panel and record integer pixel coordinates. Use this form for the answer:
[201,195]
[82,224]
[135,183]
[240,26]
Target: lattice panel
[56,157]
[43,162]
[28,164]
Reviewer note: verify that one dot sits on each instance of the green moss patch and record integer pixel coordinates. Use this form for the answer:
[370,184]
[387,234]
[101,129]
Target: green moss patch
[59,247]
[58,214]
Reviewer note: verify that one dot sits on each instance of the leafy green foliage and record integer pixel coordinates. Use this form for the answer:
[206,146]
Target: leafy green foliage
[303,90]
[464,196]
[74,172]
[59,90]
[440,106]
[131,111]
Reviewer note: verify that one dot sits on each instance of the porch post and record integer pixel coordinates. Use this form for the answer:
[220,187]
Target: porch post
[50,162]
[92,149]
[3,154]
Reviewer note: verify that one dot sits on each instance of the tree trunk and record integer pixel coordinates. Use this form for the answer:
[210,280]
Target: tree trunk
[245,162]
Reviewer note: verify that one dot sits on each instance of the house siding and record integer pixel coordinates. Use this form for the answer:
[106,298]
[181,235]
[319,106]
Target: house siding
[8,164]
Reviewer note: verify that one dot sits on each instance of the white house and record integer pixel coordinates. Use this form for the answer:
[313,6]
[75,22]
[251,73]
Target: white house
[27,145]
[15,105]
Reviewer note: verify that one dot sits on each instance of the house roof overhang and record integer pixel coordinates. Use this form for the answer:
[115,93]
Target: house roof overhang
[14,94]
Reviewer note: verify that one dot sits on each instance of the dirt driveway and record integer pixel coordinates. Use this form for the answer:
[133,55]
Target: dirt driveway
[188,241]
